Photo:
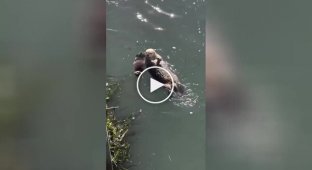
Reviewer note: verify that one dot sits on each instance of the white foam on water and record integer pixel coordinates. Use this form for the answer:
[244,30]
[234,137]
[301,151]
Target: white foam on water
[188,99]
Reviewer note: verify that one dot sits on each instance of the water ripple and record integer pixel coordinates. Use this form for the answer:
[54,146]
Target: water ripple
[141,18]
[161,11]
[189,99]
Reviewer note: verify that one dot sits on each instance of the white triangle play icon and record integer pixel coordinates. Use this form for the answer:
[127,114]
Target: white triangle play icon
[154,85]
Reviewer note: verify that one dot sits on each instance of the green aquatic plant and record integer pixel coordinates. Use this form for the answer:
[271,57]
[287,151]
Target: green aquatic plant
[118,146]
[116,131]
[112,86]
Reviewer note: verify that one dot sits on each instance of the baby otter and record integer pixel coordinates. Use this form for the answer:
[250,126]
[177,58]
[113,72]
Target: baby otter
[154,59]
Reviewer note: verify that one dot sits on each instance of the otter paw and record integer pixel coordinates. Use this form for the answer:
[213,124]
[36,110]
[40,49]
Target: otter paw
[168,86]
[137,73]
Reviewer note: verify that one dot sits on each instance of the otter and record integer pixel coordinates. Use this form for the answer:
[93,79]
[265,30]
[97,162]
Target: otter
[154,59]
[139,64]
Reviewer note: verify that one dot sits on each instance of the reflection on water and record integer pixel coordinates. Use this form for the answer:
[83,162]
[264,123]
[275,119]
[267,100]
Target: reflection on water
[170,135]
[161,11]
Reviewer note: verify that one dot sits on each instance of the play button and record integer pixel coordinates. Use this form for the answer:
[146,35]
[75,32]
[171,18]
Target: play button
[150,89]
[154,85]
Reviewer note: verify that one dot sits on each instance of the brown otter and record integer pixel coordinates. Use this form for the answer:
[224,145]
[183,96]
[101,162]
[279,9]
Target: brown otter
[139,63]
[154,59]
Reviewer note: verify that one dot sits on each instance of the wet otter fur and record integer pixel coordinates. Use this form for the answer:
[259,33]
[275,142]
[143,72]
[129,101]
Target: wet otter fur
[154,59]
[139,64]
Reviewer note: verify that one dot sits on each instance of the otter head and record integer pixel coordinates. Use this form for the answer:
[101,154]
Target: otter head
[151,54]
[140,56]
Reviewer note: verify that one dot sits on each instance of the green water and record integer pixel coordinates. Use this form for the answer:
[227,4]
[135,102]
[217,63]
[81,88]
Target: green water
[170,135]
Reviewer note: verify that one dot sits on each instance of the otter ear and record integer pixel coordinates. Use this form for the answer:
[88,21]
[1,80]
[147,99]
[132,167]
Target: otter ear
[142,55]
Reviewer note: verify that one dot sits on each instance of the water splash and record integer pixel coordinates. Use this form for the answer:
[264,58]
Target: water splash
[188,99]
